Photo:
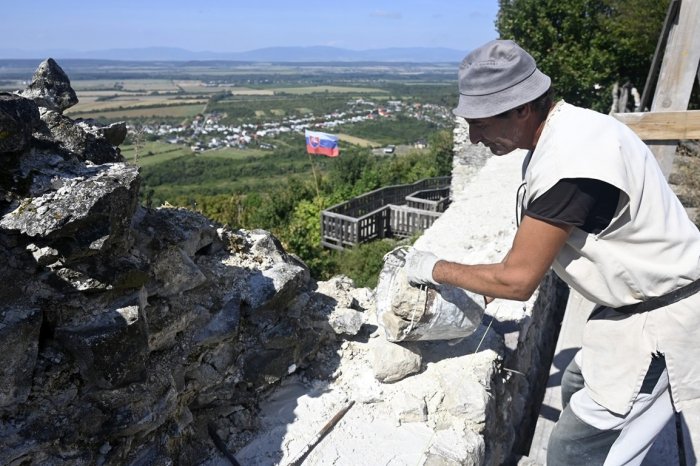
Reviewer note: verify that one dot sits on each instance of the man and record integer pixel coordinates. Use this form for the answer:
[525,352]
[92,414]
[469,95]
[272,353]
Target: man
[597,209]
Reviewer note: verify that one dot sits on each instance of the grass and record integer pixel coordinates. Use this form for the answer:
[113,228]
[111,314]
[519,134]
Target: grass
[172,193]
[357,141]
[130,102]
[171,110]
[126,84]
[334,89]
[232,154]
[153,153]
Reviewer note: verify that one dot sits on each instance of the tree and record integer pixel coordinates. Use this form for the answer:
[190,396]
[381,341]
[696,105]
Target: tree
[442,149]
[635,26]
[586,45]
[303,236]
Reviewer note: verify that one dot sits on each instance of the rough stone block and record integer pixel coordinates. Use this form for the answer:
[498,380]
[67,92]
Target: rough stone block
[176,273]
[66,135]
[450,447]
[224,324]
[110,348]
[346,321]
[274,287]
[18,116]
[50,87]
[19,343]
[392,362]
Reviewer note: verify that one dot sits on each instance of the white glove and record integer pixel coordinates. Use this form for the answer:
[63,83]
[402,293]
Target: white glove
[419,267]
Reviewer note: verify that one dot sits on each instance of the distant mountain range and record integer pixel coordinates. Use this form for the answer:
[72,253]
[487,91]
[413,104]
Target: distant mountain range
[268,54]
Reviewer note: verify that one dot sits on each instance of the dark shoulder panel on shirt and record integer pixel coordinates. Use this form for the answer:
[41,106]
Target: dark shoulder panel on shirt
[586,203]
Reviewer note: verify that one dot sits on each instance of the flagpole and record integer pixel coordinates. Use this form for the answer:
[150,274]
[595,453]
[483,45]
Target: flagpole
[313,170]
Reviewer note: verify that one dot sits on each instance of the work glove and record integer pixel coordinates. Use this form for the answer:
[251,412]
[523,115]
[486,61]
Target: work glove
[419,267]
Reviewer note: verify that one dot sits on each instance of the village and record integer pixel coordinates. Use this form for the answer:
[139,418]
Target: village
[207,131]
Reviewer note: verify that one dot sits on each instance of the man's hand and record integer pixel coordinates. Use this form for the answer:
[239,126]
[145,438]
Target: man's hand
[419,267]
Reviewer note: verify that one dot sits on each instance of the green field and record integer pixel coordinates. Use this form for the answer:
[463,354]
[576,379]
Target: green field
[153,153]
[129,85]
[171,172]
[329,89]
[232,154]
[135,112]
[358,141]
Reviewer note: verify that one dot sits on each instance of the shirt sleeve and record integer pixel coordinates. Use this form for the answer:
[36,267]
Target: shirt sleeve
[585,203]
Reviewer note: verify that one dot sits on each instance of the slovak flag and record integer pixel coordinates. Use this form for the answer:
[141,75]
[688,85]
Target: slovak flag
[322,144]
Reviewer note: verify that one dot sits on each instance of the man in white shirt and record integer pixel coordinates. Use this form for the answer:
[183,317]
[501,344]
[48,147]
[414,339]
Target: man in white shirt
[597,209]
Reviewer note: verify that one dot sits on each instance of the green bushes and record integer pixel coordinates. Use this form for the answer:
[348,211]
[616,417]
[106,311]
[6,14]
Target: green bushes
[279,193]
[364,262]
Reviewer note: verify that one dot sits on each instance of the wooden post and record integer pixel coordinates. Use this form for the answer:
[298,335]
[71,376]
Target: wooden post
[678,71]
[658,126]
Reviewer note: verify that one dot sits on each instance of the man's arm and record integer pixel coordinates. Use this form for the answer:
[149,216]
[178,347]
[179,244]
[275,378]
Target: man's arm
[489,299]
[535,246]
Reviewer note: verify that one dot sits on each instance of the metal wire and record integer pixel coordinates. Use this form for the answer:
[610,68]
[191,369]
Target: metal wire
[493,317]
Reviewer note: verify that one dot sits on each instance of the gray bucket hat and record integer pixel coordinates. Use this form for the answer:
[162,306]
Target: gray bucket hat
[497,77]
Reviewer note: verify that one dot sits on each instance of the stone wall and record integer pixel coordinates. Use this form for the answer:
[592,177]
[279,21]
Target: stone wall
[129,334]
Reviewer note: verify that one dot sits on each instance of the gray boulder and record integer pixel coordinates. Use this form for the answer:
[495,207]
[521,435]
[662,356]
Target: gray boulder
[50,87]
[79,210]
[60,133]
[19,345]
[18,118]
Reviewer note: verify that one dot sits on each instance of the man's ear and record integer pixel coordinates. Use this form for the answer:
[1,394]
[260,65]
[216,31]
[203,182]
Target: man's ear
[524,111]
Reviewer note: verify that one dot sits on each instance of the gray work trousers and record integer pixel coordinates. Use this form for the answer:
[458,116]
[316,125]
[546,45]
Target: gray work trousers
[588,434]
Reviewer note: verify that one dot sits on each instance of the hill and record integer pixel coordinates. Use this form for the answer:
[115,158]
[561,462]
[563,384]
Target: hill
[267,54]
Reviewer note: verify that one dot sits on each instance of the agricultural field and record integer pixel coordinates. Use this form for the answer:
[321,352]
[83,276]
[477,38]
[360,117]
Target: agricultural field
[153,153]
[357,141]
[213,128]
[139,111]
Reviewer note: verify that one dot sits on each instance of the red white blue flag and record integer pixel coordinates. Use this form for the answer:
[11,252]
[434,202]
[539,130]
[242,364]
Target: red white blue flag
[322,144]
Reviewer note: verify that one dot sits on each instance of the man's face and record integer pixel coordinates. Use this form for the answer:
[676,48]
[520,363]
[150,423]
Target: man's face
[501,134]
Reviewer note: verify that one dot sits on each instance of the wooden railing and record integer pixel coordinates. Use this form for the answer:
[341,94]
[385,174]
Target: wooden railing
[393,211]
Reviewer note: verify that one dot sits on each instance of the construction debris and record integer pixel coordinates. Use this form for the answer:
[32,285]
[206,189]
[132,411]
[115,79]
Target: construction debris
[410,313]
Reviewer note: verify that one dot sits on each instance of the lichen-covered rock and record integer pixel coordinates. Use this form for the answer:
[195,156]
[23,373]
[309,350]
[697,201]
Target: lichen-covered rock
[63,134]
[50,87]
[19,345]
[114,133]
[18,117]
[110,347]
[192,232]
[78,210]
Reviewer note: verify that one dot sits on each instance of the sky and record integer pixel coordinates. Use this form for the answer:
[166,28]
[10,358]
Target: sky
[237,26]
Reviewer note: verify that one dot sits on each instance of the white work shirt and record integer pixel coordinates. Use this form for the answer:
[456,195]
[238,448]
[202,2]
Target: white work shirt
[649,249]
